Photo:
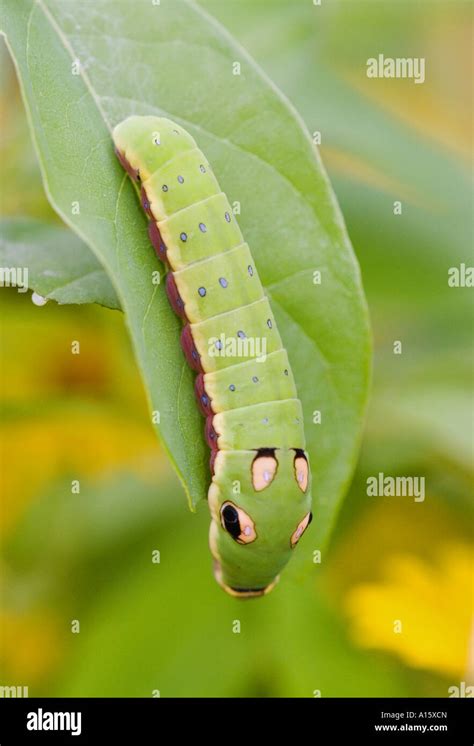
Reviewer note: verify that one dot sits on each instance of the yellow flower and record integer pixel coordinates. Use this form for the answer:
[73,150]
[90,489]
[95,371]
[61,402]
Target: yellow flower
[420,612]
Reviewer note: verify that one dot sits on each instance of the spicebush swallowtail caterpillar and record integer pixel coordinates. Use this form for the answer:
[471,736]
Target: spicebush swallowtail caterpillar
[254,420]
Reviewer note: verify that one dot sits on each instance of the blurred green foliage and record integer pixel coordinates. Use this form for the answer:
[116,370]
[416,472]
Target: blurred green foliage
[327,626]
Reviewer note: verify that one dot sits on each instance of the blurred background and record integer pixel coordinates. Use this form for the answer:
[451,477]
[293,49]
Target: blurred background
[388,610]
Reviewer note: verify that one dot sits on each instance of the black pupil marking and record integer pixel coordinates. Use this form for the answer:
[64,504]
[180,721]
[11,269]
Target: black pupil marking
[204,399]
[241,335]
[255,379]
[180,179]
[164,188]
[250,269]
[183,236]
[285,371]
[232,387]
[269,323]
[202,292]
[231,521]
[223,282]
[202,227]
[227,217]
[202,169]
[218,344]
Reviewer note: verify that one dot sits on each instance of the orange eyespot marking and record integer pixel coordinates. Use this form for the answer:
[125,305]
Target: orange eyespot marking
[264,468]
[301,528]
[301,470]
[237,523]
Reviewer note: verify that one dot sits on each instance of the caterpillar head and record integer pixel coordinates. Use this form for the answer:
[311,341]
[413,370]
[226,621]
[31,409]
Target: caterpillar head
[259,518]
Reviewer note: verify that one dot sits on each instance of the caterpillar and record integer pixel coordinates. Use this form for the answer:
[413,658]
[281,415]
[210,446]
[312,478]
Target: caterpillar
[260,492]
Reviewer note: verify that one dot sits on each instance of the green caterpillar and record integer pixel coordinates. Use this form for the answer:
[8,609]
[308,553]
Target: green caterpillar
[259,496]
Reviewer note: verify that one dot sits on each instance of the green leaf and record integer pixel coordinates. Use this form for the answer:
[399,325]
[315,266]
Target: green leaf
[60,266]
[174,60]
